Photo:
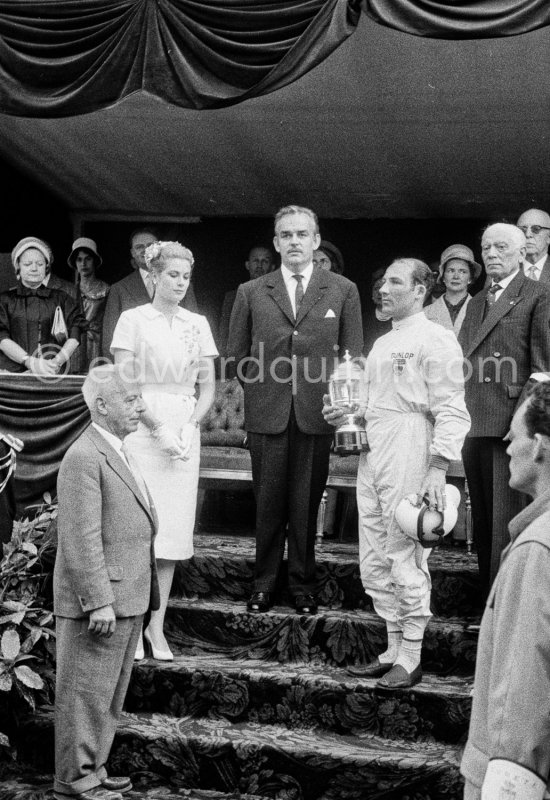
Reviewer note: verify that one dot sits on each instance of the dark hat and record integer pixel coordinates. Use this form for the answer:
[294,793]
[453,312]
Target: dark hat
[334,254]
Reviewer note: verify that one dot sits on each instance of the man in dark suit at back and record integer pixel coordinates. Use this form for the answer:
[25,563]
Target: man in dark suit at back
[535,224]
[288,329]
[135,289]
[104,581]
[505,337]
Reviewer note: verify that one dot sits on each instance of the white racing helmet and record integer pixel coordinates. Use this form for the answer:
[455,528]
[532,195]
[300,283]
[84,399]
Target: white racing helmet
[426,526]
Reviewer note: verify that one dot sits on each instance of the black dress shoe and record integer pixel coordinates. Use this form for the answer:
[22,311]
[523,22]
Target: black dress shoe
[399,678]
[117,783]
[374,669]
[305,604]
[259,602]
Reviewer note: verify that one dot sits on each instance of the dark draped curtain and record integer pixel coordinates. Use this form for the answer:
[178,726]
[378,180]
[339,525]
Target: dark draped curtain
[69,57]
[47,415]
[460,19]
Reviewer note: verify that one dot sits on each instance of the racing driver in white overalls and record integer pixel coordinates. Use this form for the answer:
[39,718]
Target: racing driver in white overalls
[416,423]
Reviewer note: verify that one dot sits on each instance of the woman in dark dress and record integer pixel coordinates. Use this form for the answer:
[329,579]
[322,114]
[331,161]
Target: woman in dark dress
[29,341]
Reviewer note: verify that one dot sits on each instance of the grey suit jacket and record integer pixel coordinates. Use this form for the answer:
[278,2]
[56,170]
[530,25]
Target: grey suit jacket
[502,350]
[292,359]
[105,534]
[128,293]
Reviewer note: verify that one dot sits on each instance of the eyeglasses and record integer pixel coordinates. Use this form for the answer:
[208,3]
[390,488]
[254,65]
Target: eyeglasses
[535,229]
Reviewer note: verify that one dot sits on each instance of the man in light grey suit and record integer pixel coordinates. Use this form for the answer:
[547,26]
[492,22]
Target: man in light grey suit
[104,582]
[535,224]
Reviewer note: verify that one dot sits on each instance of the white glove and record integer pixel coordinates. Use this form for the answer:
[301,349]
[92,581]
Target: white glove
[187,436]
[167,441]
[508,779]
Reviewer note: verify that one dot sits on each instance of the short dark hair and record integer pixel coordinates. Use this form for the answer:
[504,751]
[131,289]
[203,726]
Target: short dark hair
[289,210]
[421,274]
[145,229]
[537,411]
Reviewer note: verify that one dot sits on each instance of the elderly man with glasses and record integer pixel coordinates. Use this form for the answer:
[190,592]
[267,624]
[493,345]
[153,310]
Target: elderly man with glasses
[535,224]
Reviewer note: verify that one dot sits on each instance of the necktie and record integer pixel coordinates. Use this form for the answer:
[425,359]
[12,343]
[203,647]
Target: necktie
[149,286]
[134,469]
[532,273]
[492,294]
[299,294]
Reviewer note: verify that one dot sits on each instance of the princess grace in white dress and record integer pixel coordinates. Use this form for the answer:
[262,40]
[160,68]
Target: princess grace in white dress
[170,351]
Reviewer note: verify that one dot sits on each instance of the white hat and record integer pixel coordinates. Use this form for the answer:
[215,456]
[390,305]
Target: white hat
[83,243]
[426,526]
[26,244]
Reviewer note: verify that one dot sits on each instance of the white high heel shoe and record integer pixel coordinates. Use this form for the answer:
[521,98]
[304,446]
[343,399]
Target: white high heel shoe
[158,655]
[140,650]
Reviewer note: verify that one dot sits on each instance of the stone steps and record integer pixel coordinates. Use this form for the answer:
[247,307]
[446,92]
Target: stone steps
[265,759]
[315,696]
[223,568]
[332,637]
[25,784]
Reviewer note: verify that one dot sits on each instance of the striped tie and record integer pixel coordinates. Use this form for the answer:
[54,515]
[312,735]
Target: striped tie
[299,294]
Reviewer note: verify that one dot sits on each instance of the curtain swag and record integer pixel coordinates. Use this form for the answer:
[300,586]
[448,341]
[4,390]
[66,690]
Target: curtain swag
[47,415]
[69,57]
[460,19]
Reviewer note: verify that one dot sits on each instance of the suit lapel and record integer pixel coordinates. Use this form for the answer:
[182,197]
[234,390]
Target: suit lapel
[277,290]
[136,288]
[315,290]
[508,300]
[544,276]
[119,466]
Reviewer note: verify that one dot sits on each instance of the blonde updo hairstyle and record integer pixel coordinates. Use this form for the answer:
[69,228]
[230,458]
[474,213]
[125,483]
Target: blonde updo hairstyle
[158,254]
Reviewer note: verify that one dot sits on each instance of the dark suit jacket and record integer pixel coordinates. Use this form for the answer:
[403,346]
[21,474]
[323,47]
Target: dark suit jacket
[545,274]
[105,534]
[127,293]
[287,351]
[502,350]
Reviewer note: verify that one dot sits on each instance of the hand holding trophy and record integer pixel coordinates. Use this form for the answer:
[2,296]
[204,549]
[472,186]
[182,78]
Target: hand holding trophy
[345,394]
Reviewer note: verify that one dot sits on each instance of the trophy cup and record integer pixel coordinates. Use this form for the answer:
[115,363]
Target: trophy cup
[344,389]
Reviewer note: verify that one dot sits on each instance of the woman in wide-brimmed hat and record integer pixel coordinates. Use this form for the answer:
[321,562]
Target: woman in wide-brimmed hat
[40,327]
[92,297]
[457,271]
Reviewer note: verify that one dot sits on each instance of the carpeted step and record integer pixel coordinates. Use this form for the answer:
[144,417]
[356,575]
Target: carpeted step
[267,760]
[223,567]
[333,636]
[316,696]
[26,784]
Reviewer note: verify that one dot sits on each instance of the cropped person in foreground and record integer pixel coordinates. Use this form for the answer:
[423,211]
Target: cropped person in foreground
[508,749]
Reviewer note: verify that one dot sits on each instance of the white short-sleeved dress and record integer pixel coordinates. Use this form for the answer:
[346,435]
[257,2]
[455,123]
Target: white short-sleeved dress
[168,359]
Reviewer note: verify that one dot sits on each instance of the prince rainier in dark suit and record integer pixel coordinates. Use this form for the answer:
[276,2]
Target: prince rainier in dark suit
[505,337]
[288,329]
[104,582]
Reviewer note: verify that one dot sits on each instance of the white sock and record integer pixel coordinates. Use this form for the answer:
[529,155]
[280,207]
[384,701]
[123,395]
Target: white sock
[409,654]
[394,640]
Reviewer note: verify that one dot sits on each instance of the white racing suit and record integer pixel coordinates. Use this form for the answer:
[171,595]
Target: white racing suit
[416,417]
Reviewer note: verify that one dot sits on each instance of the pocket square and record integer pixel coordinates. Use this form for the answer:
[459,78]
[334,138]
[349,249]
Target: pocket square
[330,313]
